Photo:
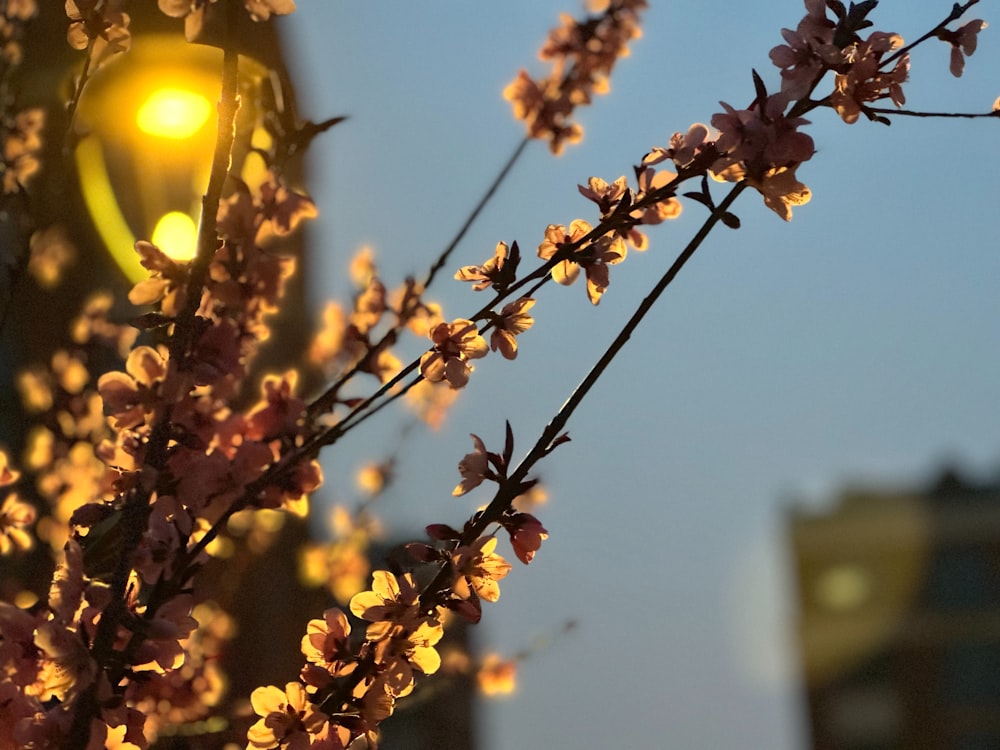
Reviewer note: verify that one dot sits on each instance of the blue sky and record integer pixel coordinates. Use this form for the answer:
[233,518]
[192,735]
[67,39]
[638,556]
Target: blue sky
[858,343]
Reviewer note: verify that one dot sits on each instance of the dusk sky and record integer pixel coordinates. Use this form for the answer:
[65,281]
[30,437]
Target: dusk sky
[856,344]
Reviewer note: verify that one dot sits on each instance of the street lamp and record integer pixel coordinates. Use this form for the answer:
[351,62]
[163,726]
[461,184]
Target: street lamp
[148,134]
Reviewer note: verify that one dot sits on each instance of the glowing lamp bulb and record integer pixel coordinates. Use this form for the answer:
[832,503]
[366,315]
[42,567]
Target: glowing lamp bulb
[173,113]
[176,235]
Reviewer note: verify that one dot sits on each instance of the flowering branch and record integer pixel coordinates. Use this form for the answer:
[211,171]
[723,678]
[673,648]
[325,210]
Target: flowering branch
[136,506]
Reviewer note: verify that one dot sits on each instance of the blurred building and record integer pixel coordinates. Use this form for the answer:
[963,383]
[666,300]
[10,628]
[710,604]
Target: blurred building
[899,618]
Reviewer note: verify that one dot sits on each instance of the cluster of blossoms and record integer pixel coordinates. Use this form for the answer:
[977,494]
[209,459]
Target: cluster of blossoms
[69,420]
[760,144]
[121,647]
[362,339]
[173,461]
[456,343]
[132,522]
[582,55]
[98,26]
[350,683]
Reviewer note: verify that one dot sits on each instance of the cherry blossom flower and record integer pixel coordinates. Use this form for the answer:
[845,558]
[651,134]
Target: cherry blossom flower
[374,477]
[478,567]
[391,600]
[161,650]
[52,253]
[593,258]
[762,137]
[65,664]
[99,25]
[779,186]
[401,649]
[809,51]
[455,344]
[369,306]
[162,538]
[763,146]
[326,643]
[280,413]
[16,516]
[328,343]
[865,81]
[583,55]
[166,282]
[130,396]
[282,210]
[685,146]
[474,468]
[291,491]
[495,272]
[496,675]
[607,251]
[512,321]
[651,180]
[287,718]
[556,236]
[963,42]
[526,534]
[18,708]
[606,195]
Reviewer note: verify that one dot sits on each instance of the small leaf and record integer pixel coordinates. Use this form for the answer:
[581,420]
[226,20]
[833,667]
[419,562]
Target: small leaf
[758,84]
[730,220]
[508,447]
[702,198]
[625,204]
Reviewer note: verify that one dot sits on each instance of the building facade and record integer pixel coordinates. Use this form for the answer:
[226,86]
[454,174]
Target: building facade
[899,618]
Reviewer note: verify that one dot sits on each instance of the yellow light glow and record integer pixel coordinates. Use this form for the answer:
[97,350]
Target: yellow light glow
[95,184]
[173,113]
[844,587]
[176,235]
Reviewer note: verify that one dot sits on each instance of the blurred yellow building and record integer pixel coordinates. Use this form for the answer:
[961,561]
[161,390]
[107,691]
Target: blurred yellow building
[899,618]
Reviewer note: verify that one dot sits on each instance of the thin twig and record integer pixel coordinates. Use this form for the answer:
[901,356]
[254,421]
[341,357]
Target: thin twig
[74,103]
[911,113]
[501,176]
